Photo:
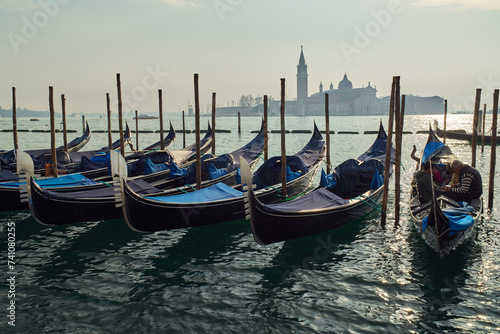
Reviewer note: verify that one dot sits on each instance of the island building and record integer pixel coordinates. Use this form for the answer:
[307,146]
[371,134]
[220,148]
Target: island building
[344,100]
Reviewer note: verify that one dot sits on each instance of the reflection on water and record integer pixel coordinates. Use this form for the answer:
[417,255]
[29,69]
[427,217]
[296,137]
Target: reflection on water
[362,278]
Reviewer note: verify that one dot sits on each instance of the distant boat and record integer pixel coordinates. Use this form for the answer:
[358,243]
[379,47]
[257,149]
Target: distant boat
[144,116]
[34,119]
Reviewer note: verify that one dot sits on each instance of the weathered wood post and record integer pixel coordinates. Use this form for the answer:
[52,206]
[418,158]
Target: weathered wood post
[483,128]
[183,130]
[108,111]
[197,130]
[266,134]
[445,114]
[283,147]
[395,82]
[14,118]
[137,130]
[65,129]
[213,123]
[120,113]
[239,122]
[400,112]
[493,150]
[474,126]
[327,121]
[160,102]
[83,123]
[52,132]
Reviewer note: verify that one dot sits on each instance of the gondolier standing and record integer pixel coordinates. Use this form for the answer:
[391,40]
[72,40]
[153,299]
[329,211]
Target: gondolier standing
[470,183]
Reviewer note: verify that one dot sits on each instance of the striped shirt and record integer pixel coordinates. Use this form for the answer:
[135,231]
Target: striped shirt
[470,182]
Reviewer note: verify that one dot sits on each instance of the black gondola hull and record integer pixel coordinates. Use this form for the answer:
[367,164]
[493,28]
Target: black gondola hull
[270,228]
[49,211]
[147,215]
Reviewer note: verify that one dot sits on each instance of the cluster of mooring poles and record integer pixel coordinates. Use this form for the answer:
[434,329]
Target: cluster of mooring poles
[396,115]
[479,127]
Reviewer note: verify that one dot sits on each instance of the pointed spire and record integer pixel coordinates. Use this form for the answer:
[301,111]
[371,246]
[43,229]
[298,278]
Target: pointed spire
[302,59]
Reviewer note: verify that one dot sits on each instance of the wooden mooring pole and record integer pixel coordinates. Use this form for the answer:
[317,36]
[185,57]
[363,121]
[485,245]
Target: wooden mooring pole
[283,147]
[239,122]
[493,150]
[52,132]
[474,126]
[108,111]
[65,129]
[137,130]
[83,123]
[400,113]
[388,155]
[120,113]
[213,123]
[14,118]
[483,128]
[445,114]
[327,135]
[183,130]
[160,108]
[266,134]
[197,130]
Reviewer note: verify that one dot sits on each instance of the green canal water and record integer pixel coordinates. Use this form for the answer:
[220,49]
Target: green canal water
[102,277]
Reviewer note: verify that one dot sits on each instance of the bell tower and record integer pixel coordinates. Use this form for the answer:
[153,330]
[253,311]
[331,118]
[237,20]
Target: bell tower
[302,77]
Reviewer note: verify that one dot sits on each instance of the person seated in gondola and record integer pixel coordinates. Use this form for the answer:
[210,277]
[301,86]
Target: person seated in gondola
[448,176]
[470,183]
[436,172]
[425,184]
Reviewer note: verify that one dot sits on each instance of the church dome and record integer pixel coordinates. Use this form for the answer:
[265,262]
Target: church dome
[345,83]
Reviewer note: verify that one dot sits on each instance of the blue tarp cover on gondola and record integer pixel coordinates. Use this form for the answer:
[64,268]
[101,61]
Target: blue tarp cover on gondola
[431,149]
[139,186]
[459,219]
[150,167]
[138,167]
[61,181]
[318,199]
[378,180]
[101,157]
[327,180]
[225,161]
[6,176]
[353,178]
[214,172]
[269,173]
[218,191]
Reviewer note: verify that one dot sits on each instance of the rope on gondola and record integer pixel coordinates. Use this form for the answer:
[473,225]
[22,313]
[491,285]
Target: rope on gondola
[182,190]
[106,183]
[375,205]
[280,194]
[485,132]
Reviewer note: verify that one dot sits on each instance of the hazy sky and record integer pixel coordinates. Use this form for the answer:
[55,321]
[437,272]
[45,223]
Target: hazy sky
[438,47]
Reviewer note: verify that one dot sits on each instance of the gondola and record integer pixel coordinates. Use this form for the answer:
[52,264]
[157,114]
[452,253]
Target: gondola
[94,164]
[443,223]
[353,189]
[10,198]
[8,159]
[219,202]
[51,207]
[167,141]
[461,135]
